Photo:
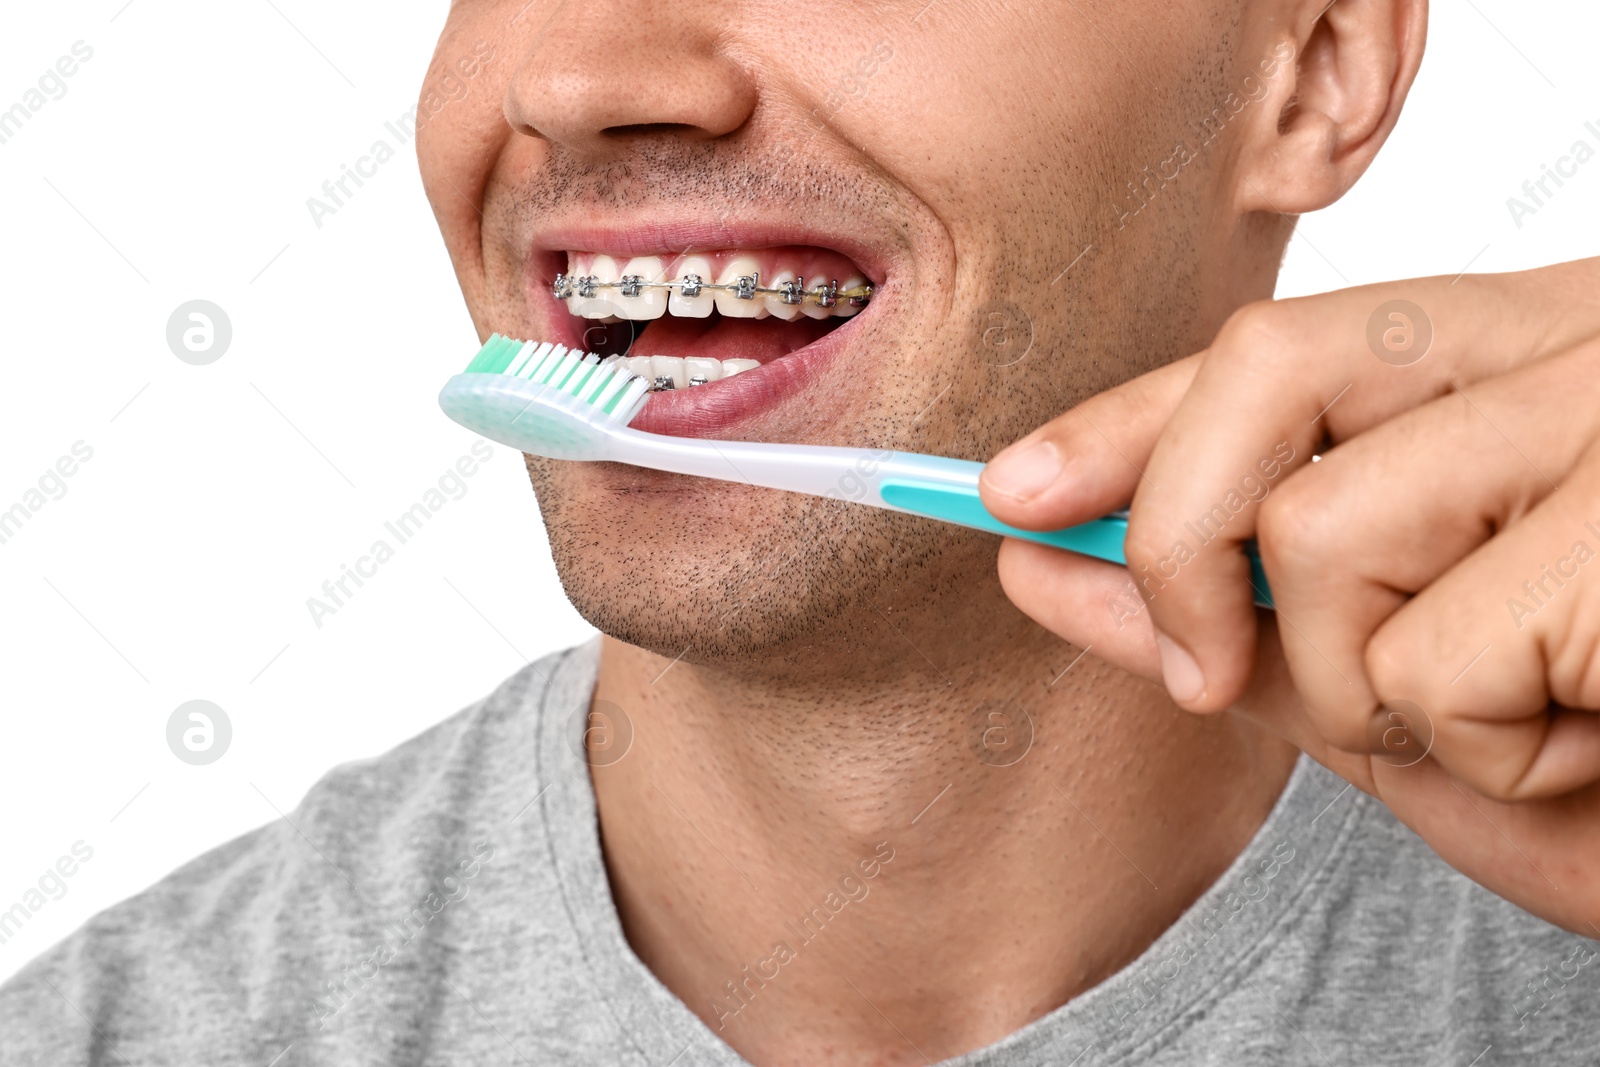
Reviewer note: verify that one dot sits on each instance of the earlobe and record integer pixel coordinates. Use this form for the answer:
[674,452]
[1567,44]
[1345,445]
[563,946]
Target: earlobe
[1333,105]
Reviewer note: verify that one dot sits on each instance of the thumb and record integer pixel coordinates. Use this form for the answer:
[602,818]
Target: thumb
[1087,462]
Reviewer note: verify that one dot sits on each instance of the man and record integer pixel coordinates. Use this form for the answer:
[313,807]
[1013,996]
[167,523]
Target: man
[823,794]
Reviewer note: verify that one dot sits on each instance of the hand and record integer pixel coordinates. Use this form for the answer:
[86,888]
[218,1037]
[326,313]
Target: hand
[1436,571]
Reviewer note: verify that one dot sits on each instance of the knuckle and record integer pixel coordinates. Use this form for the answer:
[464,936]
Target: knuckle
[1342,727]
[1401,661]
[1410,654]
[1261,331]
[1119,406]
[1298,528]
[1155,559]
[1495,766]
[1390,660]
[1498,784]
[1147,543]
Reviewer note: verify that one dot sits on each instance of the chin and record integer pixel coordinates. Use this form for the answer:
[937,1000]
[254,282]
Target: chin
[720,574]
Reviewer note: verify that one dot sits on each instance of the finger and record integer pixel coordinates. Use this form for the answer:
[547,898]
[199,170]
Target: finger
[1088,461]
[1091,458]
[1501,652]
[1278,379]
[1089,603]
[1239,429]
[1382,516]
[1407,342]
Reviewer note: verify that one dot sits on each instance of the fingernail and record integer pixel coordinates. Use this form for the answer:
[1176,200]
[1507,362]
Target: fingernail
[1022,472]
[1180,671]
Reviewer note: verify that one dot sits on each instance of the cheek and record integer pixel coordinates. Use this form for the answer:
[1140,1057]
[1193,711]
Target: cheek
[458,144]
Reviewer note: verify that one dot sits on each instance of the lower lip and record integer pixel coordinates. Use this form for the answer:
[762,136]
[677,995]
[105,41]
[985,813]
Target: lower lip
[712,409]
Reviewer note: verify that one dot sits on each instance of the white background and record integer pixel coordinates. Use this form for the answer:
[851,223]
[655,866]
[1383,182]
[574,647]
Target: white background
[219,498]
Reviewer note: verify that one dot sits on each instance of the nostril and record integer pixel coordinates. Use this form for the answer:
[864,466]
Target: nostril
[652,129]
[655,73]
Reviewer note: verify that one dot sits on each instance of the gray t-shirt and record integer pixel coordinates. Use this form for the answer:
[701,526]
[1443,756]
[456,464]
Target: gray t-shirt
[446,903]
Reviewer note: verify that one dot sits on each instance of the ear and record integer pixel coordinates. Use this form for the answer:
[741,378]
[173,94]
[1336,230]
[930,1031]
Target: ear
[1353,63]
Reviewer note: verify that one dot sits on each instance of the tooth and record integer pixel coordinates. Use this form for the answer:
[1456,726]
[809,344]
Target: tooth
[650,303]
[813,310]
[698,367]
[775,304]
[568,272]
[669,367]
[730,305]
[641,367]
[845,309]
[730,367]
[575,270]
[693,307]
[604,302]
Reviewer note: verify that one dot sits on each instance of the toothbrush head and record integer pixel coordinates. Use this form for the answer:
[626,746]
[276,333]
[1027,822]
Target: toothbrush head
[544,398]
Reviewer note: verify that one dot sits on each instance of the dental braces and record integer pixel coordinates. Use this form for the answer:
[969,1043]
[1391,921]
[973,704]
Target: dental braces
[659,383]
[743,287]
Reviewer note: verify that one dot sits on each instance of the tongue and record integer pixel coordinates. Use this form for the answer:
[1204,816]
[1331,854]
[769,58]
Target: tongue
[721,338]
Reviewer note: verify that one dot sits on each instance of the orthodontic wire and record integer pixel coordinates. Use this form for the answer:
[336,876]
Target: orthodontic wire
[743,287]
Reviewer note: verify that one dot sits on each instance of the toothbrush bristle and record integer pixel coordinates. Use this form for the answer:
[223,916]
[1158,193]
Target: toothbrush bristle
[478,361]
[607,390]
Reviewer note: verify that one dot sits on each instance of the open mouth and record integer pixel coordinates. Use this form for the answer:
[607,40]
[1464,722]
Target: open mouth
[692,320]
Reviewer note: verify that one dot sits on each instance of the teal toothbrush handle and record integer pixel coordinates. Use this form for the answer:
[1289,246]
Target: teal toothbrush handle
[1101,539]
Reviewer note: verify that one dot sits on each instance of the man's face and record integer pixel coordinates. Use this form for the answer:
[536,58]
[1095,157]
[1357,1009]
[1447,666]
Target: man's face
[975,162]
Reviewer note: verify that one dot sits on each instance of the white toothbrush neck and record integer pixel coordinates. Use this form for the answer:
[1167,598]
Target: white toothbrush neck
[821,470]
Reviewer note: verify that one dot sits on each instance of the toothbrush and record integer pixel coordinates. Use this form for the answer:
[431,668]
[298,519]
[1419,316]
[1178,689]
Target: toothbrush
[562,403]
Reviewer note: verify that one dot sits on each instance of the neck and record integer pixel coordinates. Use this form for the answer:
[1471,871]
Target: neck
[900,865]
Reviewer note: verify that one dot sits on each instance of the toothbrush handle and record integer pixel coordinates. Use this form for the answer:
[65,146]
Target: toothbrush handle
[952,496]
[933,486]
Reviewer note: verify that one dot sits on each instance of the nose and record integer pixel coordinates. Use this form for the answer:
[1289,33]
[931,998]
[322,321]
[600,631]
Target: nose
[601,71]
